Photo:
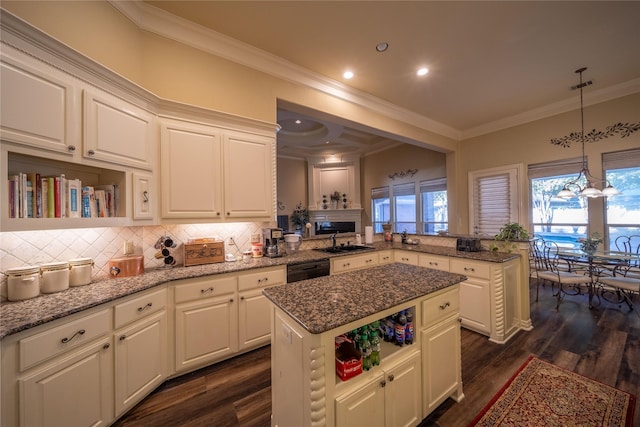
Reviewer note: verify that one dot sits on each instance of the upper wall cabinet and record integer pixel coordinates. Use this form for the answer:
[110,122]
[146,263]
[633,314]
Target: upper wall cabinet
[39,107]
[116,131]
[215,174]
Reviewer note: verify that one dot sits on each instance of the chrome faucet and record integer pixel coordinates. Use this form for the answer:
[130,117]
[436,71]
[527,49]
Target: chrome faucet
[333,239]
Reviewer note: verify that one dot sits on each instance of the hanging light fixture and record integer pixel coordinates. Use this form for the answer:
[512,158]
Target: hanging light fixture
[573,187]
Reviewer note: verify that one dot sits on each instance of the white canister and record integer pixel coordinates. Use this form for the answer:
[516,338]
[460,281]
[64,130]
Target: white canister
[80,271]
[23,282]
[54,277]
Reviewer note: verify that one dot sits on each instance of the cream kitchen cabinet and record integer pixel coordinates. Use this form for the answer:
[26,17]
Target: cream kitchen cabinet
[385,257]
[405,257]
[140,342]
[254,323]
[437,262]
[117,131]
[390,398]
[489,297]
[440,345]
[206,320]
[353,262]
[215,174]
[59,374]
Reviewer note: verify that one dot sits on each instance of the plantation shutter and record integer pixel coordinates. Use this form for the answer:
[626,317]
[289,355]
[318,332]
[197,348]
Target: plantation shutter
[493,199]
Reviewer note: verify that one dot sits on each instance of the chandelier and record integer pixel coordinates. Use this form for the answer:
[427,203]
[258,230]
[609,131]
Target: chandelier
[573,187]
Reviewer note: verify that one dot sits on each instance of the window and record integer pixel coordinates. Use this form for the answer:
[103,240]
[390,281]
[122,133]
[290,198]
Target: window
[622,214]
[562,221]
[493,199]
[404,202]
[433,194]
[380,208]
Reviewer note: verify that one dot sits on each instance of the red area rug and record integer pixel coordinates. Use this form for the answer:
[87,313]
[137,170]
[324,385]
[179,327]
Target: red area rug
[542,394]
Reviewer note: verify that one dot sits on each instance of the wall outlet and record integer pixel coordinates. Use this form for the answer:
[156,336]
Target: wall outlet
[255,238]
[128,247]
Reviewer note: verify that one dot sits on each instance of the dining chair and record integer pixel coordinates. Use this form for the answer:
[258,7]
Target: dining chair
[624,284]
[536,262]
[558,270]
[628,244]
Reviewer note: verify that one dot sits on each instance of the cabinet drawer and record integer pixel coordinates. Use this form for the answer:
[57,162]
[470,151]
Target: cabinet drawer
[434,261]
[348,263]
[195,289]
[140,307]
[440,306]
[406,257]
[385,257]
[261,278]
[56,341]
[471,268]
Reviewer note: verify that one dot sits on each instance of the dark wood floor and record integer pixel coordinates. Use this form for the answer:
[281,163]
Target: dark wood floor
[602,343]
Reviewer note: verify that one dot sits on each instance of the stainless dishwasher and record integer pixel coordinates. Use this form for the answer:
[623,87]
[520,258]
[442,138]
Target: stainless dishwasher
[308,270]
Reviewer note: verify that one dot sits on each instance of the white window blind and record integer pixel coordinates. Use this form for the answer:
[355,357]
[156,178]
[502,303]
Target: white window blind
[380,193]
[562,167]
[494,199]
[407,189]
[439,184]
[621,159]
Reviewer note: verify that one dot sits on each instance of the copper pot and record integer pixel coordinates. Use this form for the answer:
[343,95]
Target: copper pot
[126,266]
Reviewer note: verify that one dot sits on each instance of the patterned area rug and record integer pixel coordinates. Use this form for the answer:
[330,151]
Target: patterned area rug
[542,394]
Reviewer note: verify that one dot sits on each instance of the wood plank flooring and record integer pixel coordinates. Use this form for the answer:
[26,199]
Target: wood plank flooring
[602,343]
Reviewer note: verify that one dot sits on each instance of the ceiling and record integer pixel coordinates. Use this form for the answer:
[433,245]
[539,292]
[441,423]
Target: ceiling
[491,63]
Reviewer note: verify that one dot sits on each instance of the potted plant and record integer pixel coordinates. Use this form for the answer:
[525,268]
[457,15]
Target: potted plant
[509,233]
[335,198]
[300,216]
[590,244]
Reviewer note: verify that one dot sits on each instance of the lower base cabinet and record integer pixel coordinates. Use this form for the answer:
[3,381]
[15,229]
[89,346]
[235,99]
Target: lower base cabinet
[140,355]
[441,363]
[74,390]
[391,398]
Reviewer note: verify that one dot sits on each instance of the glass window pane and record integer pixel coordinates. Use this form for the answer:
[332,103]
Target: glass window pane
[405,213]
[434,211]
[380,212]
[623,210]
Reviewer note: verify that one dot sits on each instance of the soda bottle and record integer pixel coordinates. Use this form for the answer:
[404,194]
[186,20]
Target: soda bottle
[365,348]
[400,328]
[356,339]
[408,330]
[375,348]
[391,329]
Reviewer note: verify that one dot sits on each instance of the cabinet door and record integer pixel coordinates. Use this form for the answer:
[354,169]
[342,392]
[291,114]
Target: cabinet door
[249,170]
[475,305]
[403,394]
[441,364]
[144,198]
[406,257]
[191,171]
[364,406]
[354,262]
[38,104]
[74,390]
[140,360]
[116,131]
[206,331]
[254,327]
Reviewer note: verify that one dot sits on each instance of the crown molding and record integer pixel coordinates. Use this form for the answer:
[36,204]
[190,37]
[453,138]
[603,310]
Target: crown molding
[570,104]
[162,23]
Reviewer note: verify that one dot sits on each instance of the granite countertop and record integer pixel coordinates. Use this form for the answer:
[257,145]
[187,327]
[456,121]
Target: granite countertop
[21,315]
[329,302]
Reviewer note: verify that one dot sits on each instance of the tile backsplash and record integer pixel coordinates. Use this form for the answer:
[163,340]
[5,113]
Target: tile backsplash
[101,244]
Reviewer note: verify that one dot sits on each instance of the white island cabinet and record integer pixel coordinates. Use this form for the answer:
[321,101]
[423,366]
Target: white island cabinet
[308,316]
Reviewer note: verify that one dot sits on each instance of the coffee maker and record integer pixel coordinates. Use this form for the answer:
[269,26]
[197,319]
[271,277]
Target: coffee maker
[273,242]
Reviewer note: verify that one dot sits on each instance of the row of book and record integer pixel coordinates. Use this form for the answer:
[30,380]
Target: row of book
[35,196]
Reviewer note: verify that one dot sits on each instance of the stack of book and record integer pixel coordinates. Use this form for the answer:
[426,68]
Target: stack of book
[35,196]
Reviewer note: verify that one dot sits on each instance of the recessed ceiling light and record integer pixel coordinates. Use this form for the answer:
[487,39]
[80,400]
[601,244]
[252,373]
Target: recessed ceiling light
[382,46]
[298,121]
[422,71]
[348,74]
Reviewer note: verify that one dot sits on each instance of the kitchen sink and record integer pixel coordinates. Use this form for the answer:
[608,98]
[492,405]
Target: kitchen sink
[343,248]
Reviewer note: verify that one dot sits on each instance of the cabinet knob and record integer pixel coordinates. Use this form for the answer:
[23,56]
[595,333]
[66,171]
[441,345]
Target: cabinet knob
[241,298]
[71,148]
[122,337]
[106,346]
[91,152]
[228,214]
[231,300]
[391,377]
[383,383]
[218,213]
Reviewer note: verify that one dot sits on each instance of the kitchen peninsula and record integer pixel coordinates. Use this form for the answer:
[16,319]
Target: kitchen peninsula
[410,381]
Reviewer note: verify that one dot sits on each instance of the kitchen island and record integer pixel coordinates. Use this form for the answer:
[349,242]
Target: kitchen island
[410,381]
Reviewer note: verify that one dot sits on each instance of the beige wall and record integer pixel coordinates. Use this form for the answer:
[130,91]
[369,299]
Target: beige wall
[529,144]
[292,184]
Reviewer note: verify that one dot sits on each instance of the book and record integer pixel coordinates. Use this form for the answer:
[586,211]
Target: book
[56,196]
[111,197]
[89,208]
[29,200]
[63,196]
[44,196]
[74,198]
[33,210]
[51,197]
[101,203]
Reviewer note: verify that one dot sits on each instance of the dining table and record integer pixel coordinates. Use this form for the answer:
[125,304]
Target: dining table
[597,264]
